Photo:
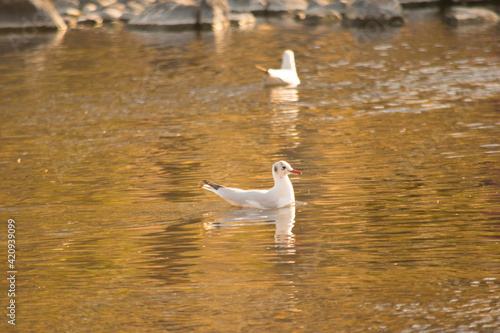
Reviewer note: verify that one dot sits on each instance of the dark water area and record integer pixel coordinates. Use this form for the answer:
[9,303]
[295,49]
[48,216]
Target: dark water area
[105,135]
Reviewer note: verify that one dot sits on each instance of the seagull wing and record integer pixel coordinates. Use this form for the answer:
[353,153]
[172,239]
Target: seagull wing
[282,77]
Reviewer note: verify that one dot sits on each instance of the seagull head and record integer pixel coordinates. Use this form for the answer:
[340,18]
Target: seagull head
[282,168]
[288,61]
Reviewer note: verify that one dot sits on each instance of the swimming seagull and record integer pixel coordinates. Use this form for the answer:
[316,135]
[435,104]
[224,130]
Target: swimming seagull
[280,195]
[286,76]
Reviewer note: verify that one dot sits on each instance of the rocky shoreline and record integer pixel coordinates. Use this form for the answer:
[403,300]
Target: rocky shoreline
[218,14]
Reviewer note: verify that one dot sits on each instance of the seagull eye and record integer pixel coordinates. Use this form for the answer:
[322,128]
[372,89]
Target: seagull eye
[283,167]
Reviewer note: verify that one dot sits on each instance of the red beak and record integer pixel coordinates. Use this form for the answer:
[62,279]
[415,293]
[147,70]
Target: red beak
[297,172]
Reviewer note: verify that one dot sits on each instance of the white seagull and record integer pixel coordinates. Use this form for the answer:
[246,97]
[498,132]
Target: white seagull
[286,76]
[280,195]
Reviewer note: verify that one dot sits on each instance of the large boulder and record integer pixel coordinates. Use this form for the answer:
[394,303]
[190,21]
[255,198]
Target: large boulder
[68,7]
[458,16]
[29,15]
[177,13]
[214,14]
[321,11]
[288,6]
[383,12]
[247,6]
[184,14]
[111,13]
[90,20]
[339,6]
[242,20]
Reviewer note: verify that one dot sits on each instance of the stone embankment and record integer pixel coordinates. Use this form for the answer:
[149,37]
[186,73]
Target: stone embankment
[218,14]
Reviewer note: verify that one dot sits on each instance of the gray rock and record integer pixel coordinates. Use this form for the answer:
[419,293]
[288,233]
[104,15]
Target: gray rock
[279,6]
[110,14]
[89,8]
[71,21]
[103,3]
[214,14]
[118,6]
[135,7]
[320,11]
[73,12]
[315,4]
[127,16]
[384,12]
[30,15]
[242,19]
[68,7]
[339,6]
[168,14]
[247,6]
[90,20]
[458,16]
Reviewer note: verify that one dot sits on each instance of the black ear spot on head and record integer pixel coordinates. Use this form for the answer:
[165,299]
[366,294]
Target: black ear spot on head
[275,168]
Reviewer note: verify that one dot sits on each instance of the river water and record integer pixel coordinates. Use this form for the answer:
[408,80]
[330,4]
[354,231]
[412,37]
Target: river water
[106,134]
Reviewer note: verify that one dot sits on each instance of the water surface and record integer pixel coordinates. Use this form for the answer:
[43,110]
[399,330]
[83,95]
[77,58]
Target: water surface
[107,133]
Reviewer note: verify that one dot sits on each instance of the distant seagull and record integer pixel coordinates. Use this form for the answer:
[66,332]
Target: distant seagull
[286,76]
[280,195]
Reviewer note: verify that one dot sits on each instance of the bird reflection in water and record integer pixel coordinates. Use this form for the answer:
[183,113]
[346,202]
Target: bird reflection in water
[285,111]
[282,218]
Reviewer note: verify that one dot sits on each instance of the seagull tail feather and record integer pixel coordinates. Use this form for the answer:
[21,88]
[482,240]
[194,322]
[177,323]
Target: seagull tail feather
[210,186]
[261,68]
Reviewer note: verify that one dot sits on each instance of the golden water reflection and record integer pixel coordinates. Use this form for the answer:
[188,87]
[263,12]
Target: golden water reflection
[285,113]
[397,139]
